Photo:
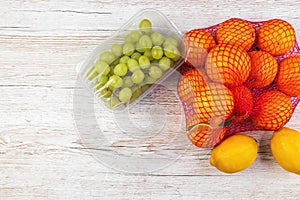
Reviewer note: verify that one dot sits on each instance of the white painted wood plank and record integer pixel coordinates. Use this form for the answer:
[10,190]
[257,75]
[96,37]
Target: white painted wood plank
[102,17]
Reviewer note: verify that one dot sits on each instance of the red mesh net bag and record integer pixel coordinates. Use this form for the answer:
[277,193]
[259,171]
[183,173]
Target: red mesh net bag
[239,76]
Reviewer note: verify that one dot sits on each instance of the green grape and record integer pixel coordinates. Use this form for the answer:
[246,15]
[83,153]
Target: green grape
[157,52]
[105,93]
[111,88]
[115,82]
[145,26]
[157,39]
[117,61]
[91,74]
[137,76]
[134,88]
[155,72]
[144,62]
[111,71]
[144,88]
[133,37]
[136,55]
[128,49]
[91,70]
[170,41]
[107,57]
[113,102]
[102,80]
[124,59]
[136,94]
[102,67]
[165,63]
[127,82]
[121,69]
[145,42]
[154,62]
[125,95]
[138,48]
[150,80]
[132,65]
[171,51]
[100,86]
[117,50]
[177,58]
[148,54]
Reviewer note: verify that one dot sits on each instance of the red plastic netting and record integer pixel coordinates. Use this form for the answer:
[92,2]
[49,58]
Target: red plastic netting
[247,63]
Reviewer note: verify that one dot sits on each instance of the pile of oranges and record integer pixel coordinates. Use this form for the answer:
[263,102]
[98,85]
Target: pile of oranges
[237,72]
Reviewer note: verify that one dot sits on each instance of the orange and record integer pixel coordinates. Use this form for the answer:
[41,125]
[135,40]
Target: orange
[272,110]
[197,45]
[228,64]
[214,104]
[193,120]
[236,31]
[205,136]
[243,102]
[288,77]
[264,68]
[276,37]
[191,82]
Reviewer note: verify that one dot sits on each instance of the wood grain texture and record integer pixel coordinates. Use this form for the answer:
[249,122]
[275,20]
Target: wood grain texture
[42,153]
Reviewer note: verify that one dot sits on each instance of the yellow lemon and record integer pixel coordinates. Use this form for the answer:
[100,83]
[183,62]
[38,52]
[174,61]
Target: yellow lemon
[285,146]
[234,154]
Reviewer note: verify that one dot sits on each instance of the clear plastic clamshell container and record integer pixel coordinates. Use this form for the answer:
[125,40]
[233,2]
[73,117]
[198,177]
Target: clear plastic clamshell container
[104,72]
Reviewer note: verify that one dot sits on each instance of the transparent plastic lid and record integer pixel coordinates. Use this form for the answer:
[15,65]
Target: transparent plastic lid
[127,66]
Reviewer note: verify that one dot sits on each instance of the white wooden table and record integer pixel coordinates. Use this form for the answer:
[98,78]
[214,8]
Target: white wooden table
[43,155]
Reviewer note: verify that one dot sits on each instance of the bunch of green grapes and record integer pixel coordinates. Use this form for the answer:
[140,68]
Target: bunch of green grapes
[129,69]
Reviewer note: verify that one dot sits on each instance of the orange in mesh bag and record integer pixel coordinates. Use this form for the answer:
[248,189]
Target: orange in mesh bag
[236,31]
[288,78]
[243,102]
[228,64]
[263,71]
[272,110]
[200,43]
[244,85]
[276,37]
[207,106]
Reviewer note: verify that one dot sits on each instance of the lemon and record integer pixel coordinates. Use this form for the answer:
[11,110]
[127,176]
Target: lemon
[234,154]
[285,146]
